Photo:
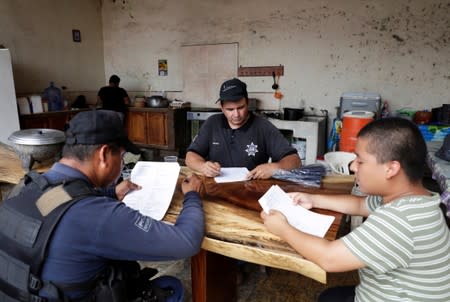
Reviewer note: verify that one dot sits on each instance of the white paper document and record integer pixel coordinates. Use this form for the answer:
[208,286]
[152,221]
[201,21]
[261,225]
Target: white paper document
[297,216]
[231,175]
[158,181]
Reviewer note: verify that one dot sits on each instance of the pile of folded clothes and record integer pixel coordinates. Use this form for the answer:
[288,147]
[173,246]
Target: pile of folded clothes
[310,175]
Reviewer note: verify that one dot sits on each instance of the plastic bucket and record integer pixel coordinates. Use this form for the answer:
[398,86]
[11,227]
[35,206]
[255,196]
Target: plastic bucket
[353,121]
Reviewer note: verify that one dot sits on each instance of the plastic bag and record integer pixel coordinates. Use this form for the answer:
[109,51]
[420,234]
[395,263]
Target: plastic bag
[310,175]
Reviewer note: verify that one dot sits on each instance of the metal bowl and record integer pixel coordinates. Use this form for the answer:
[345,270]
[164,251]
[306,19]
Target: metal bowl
[157,101]
[37,145]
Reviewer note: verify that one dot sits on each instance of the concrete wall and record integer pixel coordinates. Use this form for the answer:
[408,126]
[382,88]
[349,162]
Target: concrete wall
[400,49]
[39,36]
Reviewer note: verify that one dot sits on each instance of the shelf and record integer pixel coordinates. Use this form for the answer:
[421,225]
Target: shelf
[261,71]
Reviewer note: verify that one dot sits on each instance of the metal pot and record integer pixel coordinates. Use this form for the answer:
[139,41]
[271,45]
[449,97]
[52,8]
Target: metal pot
[293,114]
[157,101]
[37,145]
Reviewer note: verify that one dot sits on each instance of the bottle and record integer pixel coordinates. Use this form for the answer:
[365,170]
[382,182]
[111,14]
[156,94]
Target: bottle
[385,110]
[54,97]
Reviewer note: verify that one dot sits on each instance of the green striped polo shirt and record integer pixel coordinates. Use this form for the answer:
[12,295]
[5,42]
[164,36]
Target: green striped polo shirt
[405,246]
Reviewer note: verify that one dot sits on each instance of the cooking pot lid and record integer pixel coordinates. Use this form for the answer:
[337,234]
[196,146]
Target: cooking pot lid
[39,136]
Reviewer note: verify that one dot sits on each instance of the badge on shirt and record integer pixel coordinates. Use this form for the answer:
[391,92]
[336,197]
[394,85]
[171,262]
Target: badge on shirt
[252,149]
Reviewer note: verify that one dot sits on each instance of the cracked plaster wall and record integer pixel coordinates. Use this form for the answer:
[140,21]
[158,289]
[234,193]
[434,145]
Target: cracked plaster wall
[400,49]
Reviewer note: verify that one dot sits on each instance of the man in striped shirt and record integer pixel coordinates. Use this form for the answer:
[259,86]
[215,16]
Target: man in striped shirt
[402,250]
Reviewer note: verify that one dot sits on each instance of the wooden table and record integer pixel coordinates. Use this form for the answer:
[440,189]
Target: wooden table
[234,230]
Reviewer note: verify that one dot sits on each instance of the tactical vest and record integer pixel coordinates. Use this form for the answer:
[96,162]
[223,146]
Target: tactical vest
[27,222]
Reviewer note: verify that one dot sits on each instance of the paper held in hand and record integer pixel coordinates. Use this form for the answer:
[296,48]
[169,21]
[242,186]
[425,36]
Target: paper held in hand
[297,216]
[158,181]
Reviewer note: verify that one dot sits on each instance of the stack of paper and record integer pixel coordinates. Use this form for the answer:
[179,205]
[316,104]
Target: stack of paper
[232,175]
[158,181]
[24,105]
[297,216]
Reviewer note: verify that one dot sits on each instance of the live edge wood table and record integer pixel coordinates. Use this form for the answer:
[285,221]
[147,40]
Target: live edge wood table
[234,230]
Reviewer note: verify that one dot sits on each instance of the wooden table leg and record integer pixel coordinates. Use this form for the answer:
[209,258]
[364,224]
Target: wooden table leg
[213,277]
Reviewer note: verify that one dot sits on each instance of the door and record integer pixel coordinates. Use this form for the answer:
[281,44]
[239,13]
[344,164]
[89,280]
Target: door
[137,125]
[157,133]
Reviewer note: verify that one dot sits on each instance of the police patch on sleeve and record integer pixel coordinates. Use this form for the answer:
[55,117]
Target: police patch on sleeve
[143,222]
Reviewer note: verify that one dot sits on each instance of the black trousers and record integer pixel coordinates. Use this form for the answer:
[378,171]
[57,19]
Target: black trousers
[338,294]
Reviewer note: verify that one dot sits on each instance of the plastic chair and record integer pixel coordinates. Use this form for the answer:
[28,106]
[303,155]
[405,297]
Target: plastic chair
[339,161]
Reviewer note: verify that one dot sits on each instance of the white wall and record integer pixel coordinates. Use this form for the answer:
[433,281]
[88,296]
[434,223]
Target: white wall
[400,49]
[39,36]
[9,119]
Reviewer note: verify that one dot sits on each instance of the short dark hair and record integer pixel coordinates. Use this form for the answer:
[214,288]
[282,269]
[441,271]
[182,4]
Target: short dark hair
[114,79]
[397,139]
[84,152]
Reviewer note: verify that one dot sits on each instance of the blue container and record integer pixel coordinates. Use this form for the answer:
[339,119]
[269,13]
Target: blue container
[54,97]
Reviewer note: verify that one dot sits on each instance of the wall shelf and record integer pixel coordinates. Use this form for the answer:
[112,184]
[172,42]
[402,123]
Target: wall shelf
[260,71]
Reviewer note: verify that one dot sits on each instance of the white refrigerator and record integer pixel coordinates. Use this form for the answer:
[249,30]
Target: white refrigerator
[9,117]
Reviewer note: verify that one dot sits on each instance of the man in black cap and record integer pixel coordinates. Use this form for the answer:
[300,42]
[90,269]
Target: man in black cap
[238,138]
[113,97]
[72,223]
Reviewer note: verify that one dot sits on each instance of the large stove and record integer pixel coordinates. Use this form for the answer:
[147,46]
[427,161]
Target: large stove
[201,113]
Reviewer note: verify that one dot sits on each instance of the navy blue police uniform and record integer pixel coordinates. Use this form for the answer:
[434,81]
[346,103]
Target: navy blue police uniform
[248,146]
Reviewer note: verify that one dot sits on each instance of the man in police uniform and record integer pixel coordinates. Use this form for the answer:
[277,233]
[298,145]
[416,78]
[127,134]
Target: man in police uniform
[238,138]
[61,233]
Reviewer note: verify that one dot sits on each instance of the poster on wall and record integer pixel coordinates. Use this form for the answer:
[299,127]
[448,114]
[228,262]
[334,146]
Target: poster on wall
[162,68]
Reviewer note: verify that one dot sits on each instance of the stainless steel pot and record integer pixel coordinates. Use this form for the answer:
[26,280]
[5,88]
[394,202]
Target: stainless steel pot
[157,101]
[37,145]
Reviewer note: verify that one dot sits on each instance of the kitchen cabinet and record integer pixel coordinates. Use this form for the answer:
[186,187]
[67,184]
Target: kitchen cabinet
[52,120]
[159,128]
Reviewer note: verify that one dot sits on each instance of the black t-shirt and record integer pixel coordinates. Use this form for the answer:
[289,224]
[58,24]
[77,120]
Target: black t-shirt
[248,146]
[113,98]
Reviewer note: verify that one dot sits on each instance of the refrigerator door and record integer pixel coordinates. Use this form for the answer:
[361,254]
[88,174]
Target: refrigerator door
[9,117]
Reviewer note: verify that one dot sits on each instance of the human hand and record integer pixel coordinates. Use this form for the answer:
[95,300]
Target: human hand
[262,171]
[125,187]
[191,183]
[210,168]
[303,199]
[275,222]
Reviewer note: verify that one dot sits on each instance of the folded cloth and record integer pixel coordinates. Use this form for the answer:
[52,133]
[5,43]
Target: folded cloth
[310,175]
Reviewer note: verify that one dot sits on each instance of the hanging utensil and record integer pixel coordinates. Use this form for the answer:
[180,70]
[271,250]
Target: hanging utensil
[275,84]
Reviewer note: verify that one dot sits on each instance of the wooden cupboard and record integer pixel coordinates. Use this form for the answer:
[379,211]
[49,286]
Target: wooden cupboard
[159,128]
[52,120]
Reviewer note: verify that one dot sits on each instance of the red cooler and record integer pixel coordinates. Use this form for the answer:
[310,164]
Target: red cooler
[353,121]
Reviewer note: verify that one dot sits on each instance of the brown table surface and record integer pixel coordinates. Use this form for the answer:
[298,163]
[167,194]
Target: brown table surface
[234,229]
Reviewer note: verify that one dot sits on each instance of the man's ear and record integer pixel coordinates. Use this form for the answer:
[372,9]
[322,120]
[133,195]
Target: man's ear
[392,168]
[102,155]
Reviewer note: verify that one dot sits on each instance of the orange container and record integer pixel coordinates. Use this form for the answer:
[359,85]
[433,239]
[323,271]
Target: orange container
[353,121]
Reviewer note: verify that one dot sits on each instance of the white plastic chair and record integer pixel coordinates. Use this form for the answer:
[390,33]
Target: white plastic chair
[339,161]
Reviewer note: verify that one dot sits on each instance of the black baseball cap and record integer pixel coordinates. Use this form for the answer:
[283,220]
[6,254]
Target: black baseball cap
[97,127]
[232,90]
